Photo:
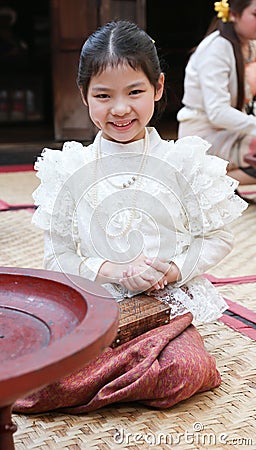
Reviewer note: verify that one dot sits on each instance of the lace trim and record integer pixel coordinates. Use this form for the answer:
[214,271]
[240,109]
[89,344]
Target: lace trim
[56,210]
[199,297]
[208,195]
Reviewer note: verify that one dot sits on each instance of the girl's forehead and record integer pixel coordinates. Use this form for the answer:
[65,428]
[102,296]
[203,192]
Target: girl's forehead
[119,68]
[117,73]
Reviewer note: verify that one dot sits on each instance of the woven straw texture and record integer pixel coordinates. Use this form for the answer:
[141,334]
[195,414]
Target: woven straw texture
[223,418]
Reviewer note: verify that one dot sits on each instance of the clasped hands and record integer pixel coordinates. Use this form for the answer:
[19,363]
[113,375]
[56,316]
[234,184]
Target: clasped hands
[149,274]
[143,274]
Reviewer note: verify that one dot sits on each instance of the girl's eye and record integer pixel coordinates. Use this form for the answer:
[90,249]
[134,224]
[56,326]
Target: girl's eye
[136,92]
[102,96]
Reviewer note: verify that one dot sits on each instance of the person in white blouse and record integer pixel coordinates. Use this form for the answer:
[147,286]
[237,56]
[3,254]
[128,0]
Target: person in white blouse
[220,88]
[132,211]
[136,213]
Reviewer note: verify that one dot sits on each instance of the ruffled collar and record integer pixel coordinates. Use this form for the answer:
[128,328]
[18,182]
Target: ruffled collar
[113,148]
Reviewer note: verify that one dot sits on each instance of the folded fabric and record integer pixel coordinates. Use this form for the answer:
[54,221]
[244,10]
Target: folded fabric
[159,369]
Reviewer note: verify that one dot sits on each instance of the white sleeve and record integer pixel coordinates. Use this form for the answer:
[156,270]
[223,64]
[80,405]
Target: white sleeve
[61,254]
[56,212]
[210,205]
[203,253]
[213,66]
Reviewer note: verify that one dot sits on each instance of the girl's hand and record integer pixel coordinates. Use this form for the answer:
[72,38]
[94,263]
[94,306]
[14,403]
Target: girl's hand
[141,275]
[137,280]
[138,277]
[170,271]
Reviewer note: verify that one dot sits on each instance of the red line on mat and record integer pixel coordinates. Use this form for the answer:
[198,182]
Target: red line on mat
[239,326]
[230,280]
[17,168]
[241,311]
[3,205]
[237,323]
[7,207]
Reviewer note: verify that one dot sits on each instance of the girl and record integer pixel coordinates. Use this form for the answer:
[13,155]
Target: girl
[220,86]
[136,214]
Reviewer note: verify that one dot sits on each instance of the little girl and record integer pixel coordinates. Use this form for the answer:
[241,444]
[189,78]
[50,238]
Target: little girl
[136,214]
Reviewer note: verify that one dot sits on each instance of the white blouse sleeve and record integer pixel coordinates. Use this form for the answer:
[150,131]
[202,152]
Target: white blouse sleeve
[61,254]
[56,212]
[210,206]
[214,65]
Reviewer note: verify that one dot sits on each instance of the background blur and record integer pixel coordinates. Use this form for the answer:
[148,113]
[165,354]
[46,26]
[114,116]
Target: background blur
[40,44]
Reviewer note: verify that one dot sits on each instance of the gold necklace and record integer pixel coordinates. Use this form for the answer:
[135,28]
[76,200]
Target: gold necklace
[138,178]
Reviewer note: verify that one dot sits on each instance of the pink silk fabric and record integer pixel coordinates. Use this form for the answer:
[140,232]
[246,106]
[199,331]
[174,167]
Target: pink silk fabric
[159,369]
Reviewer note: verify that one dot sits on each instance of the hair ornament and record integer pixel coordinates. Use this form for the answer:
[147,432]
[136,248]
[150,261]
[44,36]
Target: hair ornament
[152,40]
[222,9]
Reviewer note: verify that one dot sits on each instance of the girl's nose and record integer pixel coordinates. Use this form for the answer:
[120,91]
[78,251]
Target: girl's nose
[120,108]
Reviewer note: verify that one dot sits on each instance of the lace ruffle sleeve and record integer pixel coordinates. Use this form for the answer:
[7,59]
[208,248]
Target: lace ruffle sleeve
[208,192]
[55,208]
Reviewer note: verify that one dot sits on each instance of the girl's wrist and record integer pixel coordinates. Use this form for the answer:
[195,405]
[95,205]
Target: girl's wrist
[109,273]
[173,274]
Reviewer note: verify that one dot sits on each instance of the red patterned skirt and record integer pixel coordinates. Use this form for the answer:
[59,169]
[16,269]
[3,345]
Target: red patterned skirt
[159,369]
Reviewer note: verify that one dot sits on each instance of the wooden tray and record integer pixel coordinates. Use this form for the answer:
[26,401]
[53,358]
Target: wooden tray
[50,325]
[139,314]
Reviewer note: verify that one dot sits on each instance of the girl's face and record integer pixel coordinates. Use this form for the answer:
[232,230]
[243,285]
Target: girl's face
[121,102]
[245,24]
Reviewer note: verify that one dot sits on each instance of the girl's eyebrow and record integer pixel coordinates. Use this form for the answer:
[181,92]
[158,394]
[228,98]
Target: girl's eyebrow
[136,84]
[100,88]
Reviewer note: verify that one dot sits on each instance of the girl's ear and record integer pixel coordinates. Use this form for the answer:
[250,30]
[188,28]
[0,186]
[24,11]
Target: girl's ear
[82,95]
[160,87]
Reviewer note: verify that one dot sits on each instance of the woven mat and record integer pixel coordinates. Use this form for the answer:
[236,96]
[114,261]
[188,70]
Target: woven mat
[21,243]
[223,418]
[17,187]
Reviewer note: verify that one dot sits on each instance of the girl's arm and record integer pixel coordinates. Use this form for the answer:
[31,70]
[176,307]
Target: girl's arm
[203,253]
[210,206]
[60,254]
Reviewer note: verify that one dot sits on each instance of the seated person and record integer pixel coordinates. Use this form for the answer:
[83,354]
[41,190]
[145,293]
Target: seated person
[220,86]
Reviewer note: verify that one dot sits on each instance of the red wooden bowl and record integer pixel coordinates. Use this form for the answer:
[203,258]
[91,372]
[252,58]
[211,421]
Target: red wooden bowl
[50,325]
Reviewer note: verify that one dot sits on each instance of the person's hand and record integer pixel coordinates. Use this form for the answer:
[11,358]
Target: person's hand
[170,272]
[146,275]
[138,278]
[140,275]
[111,272]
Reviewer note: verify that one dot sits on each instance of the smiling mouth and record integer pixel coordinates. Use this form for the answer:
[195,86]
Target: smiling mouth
[123,124]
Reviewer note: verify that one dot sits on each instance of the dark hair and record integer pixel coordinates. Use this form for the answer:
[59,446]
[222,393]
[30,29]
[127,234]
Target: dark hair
[116,43]
[227,31]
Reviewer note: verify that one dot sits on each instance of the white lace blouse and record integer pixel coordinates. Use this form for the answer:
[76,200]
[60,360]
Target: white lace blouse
[177,207]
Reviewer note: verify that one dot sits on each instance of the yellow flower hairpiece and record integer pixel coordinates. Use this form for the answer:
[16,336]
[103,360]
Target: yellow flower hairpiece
[222,9]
